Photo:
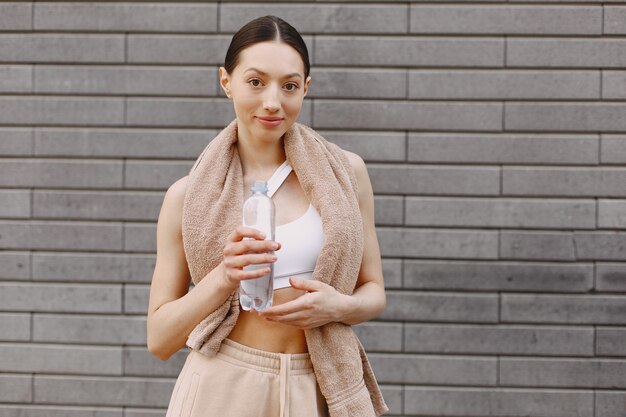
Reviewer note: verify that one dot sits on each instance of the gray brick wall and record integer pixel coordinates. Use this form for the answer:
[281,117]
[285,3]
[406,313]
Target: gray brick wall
[495,138]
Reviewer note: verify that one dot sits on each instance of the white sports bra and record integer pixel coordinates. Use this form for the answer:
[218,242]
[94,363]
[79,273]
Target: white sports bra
[301,240]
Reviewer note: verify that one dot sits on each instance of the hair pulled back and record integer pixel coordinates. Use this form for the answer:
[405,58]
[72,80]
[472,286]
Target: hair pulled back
[263,29]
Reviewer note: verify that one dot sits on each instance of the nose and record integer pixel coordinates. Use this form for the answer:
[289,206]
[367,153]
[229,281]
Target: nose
[271,101]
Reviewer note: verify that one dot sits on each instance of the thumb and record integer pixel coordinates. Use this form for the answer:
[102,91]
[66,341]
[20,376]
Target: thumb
[304,284]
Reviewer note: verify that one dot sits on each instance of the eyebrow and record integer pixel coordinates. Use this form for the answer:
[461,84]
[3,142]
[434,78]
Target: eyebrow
[293,74]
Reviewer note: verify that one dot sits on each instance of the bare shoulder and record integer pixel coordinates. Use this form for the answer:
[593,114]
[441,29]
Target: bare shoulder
[359,167]
[177,190]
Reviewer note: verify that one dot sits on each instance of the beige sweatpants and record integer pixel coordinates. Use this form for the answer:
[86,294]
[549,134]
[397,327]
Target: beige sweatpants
[241,381]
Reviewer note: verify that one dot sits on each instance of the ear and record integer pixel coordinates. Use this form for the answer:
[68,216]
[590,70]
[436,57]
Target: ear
[224,80]
[306,85]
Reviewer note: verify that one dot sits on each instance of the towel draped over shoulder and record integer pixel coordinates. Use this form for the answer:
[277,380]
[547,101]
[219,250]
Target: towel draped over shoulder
[212,210]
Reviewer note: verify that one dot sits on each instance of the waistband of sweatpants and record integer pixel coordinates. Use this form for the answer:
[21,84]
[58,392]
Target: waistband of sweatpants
[235,352]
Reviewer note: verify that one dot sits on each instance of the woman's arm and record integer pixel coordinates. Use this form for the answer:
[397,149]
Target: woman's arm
[173,310]
[368,300]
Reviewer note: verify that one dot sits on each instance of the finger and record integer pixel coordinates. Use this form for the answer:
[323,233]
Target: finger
[250,259]
[283,309]
[244,231]
[241,275]
[306,284]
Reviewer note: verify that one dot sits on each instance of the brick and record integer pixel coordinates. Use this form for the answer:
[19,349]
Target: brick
[102,390]
[92,329]
[610,277]
[434,369]
[500,212]
[613,84]
[52,47]
[33,110]
[612,214]
[392,273]
[138,412]
[381,337]
[126,17]
[15,327]
[138,361]
[139,237]
[388,210]
[55,411]
[393,397]
[15,203]
[16,16]
[498,276]
[93,267]
[499,340]
[16,141]
[417,51]
[371,146]
[136,299]
[434,179]
[61,298]
[505,19]
[538,245]
[177,49]
[615,20]
[15,78]
[16,388]
[503,84]
[497,402]
[605,117]
[55,359]
[601,245]
[582,309]
[134,80]
[60,235]
[183,49]
[564,181]
[610,403]
[101,205]
[560,52]
[15,265]
[15,235]
[157,175]
[438,243]
[64,173]
[610,341]
[432,306]
[613,149]
[361,114]
[358,83]
[503,148]
[321,18]
[122,143]
[597,373]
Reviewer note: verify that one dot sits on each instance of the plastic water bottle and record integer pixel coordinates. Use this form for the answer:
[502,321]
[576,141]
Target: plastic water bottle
[258,212]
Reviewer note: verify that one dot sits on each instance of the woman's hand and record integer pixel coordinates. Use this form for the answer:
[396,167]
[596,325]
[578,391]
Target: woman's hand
[246,246]
[320,305]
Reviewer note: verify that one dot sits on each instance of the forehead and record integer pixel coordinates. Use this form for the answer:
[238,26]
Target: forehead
[275,59]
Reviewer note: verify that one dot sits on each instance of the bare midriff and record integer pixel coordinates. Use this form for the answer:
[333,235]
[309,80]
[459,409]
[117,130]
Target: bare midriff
[254,331]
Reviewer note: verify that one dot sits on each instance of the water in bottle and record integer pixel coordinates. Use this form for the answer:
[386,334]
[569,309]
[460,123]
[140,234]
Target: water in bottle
[258,212]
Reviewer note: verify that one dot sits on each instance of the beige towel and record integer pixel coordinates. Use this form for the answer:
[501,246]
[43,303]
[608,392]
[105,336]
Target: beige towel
[213,208]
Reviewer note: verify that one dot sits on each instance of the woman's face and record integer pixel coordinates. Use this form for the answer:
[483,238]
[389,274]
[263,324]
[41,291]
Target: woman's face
[268,82]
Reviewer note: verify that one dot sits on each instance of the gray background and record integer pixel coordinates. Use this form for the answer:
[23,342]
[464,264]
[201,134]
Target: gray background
[494,135]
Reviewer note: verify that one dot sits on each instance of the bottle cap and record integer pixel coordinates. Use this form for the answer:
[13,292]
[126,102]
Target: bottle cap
[259,186]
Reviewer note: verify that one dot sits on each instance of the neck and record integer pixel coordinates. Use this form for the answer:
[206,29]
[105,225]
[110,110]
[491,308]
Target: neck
[259,156]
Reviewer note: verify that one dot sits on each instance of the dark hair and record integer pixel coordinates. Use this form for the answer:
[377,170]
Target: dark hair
[263,29]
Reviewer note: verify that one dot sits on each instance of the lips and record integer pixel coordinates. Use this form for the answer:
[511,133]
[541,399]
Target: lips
[270,119]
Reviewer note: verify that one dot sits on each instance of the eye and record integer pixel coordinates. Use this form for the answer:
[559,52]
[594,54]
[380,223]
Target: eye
[253,80]
[295,87]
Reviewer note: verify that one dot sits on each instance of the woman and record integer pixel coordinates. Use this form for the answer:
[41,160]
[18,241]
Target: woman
[263,366]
